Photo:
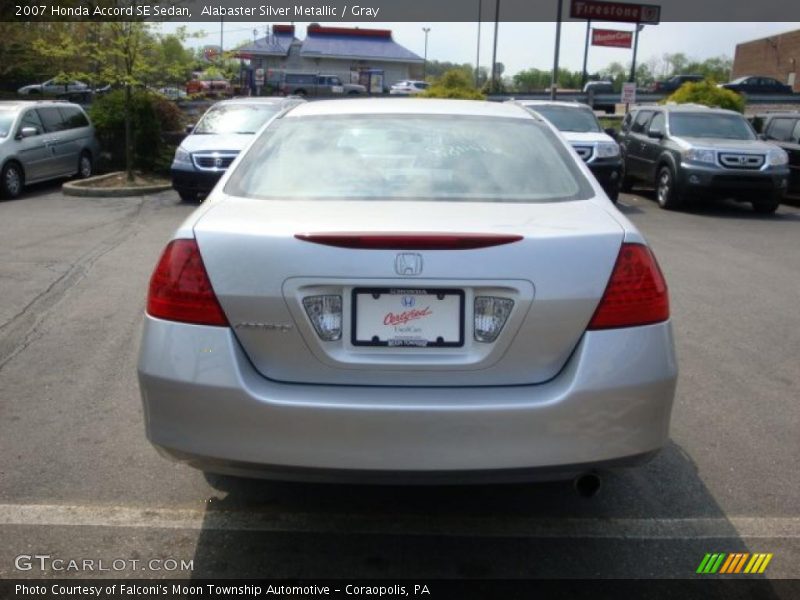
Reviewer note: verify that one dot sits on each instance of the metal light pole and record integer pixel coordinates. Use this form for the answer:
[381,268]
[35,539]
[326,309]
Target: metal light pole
[425,60]
[494,51]
[554,78]
[635,48]
[586,52]
[478,57]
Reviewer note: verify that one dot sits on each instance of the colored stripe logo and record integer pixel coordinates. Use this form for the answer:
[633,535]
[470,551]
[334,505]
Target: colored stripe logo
[737,562]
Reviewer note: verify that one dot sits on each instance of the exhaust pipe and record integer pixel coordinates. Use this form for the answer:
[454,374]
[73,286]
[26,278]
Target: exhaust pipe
[587,484]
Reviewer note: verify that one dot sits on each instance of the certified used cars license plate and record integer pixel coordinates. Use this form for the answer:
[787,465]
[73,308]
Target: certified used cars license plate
[408,317]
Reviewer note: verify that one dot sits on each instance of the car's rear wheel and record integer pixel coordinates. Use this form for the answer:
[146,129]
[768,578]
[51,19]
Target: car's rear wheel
[667,193]
[85,165]
[301,93]
[12,180]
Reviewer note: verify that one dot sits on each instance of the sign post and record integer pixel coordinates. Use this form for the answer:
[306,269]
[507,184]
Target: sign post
[628,94]
[586,52]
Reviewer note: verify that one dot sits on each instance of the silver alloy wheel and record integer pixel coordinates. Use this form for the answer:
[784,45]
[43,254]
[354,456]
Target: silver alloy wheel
[13,181]
[664,187]
[85,166]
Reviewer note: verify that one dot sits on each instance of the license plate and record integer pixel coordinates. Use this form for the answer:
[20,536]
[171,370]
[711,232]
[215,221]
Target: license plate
[421,318]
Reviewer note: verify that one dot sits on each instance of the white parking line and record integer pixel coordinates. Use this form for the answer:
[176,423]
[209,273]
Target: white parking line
[457,526]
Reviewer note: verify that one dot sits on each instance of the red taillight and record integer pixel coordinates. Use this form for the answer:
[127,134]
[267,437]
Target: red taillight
[180,289]
[409,241]
[636,293]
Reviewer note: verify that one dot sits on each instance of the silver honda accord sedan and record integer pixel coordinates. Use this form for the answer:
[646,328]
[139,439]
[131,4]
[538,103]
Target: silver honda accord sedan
[407,291]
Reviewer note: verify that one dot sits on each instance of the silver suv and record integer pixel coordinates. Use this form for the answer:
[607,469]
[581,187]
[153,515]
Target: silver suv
[41,140]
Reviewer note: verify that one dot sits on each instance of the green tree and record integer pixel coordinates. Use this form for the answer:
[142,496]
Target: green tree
[455,83]
[708,94]
[126,55]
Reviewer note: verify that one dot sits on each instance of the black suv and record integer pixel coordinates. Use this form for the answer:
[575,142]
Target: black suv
[783,129]
[688,149]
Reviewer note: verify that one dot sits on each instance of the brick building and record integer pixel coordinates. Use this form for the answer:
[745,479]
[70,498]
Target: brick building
[775,56]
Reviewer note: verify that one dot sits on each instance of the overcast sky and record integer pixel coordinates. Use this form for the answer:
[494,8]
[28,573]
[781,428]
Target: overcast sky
[524,45]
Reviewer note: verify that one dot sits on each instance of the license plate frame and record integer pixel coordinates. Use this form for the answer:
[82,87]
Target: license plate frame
[394,343]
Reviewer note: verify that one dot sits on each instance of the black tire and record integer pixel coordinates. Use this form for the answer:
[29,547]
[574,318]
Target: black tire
[187,196]
[625,182]
[766,207]
[301,93]
[85,165]
[12,180]
[667,194]
[353,93]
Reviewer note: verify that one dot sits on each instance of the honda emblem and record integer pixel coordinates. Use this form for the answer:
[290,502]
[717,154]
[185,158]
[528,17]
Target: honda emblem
[408,263]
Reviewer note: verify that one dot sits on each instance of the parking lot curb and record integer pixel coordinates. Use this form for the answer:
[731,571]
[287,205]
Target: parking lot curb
[78,188]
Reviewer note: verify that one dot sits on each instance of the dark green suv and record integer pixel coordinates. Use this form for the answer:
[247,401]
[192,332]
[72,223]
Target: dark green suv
[687,150]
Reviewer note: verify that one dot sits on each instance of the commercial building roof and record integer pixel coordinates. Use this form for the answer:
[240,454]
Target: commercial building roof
[333,42]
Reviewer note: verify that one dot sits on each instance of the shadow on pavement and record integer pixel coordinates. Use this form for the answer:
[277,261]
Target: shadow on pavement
[725,208]
[497,531]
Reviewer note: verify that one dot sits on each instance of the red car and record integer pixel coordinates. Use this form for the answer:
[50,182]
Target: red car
[210,85]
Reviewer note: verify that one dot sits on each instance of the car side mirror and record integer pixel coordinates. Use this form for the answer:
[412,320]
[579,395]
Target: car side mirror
[189,128]
[27,132]
[655,134]
[611,132]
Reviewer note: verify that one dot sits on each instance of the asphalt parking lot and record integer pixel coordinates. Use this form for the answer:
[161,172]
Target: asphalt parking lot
[79,480]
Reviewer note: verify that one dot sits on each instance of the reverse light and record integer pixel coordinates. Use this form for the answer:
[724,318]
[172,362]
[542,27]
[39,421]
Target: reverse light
[180,289]
[490,315]
[636,293]
[325,313]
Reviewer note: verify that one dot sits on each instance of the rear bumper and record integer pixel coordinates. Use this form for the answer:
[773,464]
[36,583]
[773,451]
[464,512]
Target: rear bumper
[205,405]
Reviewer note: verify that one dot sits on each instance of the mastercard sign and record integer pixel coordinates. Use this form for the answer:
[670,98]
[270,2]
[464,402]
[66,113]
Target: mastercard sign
[612,38]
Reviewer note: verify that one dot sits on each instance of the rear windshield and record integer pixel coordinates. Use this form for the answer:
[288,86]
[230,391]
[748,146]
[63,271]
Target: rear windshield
[236,118]
[569,119]
[697,125]
[6,121]
[397,157]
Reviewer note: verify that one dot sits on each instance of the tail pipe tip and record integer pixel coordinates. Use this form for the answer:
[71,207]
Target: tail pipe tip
[587,484]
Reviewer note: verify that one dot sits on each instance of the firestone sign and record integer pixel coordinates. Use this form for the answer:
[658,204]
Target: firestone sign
[596,10]
[612,38]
